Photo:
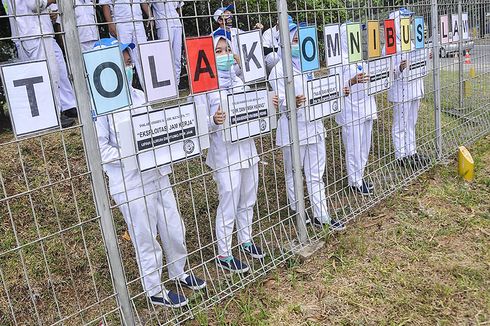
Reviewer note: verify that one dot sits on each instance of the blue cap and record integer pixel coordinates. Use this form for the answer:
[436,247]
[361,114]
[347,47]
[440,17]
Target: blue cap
[406,12]
[220,11]
[106,42]
[290,19]
[303,24]
[292,27]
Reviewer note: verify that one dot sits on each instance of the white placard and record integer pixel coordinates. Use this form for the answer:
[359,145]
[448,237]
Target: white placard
[379,72]
[169,135]
[444,29]
[417,64]
[333,50]
[455,27]
[324,96]
[252,56]
[30,97]
[158,70]
[466,27]
[249,114]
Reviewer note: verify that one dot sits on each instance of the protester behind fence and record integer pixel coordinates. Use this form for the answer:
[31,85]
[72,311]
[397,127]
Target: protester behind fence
[169,27]
[33,35]
[405,95]
[356,120]
[146,201]
[125,22]
[311,138]
[271,41]
[235,167]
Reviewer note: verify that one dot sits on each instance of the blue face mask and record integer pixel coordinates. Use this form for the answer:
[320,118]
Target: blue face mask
[129,74]
[295,50]
[224,62]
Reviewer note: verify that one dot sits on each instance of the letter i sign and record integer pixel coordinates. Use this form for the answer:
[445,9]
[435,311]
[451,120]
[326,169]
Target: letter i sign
[202,64]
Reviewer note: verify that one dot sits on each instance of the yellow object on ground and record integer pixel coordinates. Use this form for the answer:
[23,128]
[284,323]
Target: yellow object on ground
[472,72]
[467,88]
[466,165]
[126,236]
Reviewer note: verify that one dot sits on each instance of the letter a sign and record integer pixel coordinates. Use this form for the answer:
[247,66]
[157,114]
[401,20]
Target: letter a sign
[202,64]
[251,56]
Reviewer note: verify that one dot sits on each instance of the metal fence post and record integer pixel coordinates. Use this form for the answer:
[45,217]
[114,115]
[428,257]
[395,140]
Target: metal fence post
[461,56]
[74,53]
[282,9]
[436,76]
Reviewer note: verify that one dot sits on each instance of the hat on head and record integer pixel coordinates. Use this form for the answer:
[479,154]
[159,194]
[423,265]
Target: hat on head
[221,11]
[405,12]
[106,42]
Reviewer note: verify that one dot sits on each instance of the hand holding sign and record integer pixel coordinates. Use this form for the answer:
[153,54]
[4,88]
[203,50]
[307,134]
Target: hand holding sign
[403,65]
[219,117]
[300,100]
[359,78]
[346,91]
[275,101]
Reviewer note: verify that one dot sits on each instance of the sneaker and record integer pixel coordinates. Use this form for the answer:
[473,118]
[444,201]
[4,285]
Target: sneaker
[420,160]
[66,121]
[317,223]
[362,189]
[193,282]
[337,225]
[233,265]
[171,300]
[71,113]
[368,185]
[253,250]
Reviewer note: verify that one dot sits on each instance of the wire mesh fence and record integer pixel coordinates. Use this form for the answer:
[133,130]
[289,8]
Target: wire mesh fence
[159,156]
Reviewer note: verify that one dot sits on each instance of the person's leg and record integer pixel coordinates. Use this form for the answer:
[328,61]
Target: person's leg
[288,173]
[351,138]
[228,183]
[136,209]
[412,116]
[171,229]
[248,196]
[314,167]
[87,46]
[398,130]
[67,95]
[365,145]
[139,37]
[177,51]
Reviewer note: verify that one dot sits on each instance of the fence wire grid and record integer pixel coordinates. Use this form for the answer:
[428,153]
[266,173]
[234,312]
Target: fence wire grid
[101,222]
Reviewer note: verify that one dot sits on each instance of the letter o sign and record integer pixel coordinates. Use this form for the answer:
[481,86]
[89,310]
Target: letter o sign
[308,40]
[309,48]
[98,83]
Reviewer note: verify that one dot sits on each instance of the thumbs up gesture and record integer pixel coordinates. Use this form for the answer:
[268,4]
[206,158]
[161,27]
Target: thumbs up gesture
[219,117]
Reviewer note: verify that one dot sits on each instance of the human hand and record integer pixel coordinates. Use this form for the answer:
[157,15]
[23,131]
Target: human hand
[219,117]
[258,26]
[300,100]
[346,91]
[113,30]
[359,78]
[275,101]
[403,65]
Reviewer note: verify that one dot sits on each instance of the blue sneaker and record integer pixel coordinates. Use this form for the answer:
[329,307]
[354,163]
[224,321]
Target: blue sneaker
[363,189]
[171,300]
[368,185]
[193,282]
[233,265]
[254,251]
[337,225]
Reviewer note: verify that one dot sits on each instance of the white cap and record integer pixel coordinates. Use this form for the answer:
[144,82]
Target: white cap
[221,11]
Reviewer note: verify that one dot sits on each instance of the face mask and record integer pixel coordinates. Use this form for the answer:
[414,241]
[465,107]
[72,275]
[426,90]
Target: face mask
[224,62]
[295,50]
[129,74]
[229,22]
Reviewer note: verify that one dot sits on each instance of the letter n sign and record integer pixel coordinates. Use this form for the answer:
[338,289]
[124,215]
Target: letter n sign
[107,79]
[390,36]
[354,43]
[202,64]
[252,56]
[308,48]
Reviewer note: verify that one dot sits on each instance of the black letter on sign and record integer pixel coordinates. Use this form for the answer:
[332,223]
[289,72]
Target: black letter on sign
[154,77]
[250,55]
[444,32]
[303,48]
[333,47]
[201,56]
[98,83]
[31,94]
[455,29]
[406,34]
[420,33]
[391,38]
[355,42]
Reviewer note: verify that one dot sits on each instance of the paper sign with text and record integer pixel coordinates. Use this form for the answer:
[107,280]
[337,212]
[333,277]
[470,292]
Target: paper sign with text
[333,50]
[308,48]
[324,97]
[252,56]
[374,40]
[354,42]
[417,64]
[379,72]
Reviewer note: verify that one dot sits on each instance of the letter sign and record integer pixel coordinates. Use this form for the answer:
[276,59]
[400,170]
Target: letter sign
[251,56]
[308,48]
[419,32]
[202,64]
[444,29]
[374,41]
[390,36]
[332,45]
[354,44]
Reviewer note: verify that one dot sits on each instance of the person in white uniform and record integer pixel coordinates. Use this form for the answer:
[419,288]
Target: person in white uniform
[125,19]
[235,168]
[405,96]
[88,31]
[311,138]
[169,27]
[146,201]
[33,35]
[271,41]
[356,120]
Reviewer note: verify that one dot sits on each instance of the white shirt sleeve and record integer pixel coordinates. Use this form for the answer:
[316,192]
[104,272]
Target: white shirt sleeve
[109,153]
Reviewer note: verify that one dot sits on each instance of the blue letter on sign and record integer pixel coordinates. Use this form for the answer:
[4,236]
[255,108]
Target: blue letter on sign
[107,79]
[308,48]
[419,32]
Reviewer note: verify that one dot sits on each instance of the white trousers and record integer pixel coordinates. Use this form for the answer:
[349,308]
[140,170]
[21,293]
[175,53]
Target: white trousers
[67,95]
[403,132]
[313,161]
[174,34]
[128,33]
[237,196]
[357,144]
[88,45]
[148,212]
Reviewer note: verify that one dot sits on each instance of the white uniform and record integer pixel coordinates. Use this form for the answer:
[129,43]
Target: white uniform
[356,119]
[34,38]
[87,25]
[147,203]
[169,27]
[235,167]
[405,96]
[128,17]
[271,40]
[312,144]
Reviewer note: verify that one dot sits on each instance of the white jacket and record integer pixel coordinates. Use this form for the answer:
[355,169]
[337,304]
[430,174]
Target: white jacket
[166,13]
[85,15]
[402,89]
[309,132]
[32,19]
[122,178]
[124,12]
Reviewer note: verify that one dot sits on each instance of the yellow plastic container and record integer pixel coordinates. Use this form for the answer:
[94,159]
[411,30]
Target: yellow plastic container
[466,165]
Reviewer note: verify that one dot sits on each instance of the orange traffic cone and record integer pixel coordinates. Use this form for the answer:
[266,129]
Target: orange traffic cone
[467,57]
